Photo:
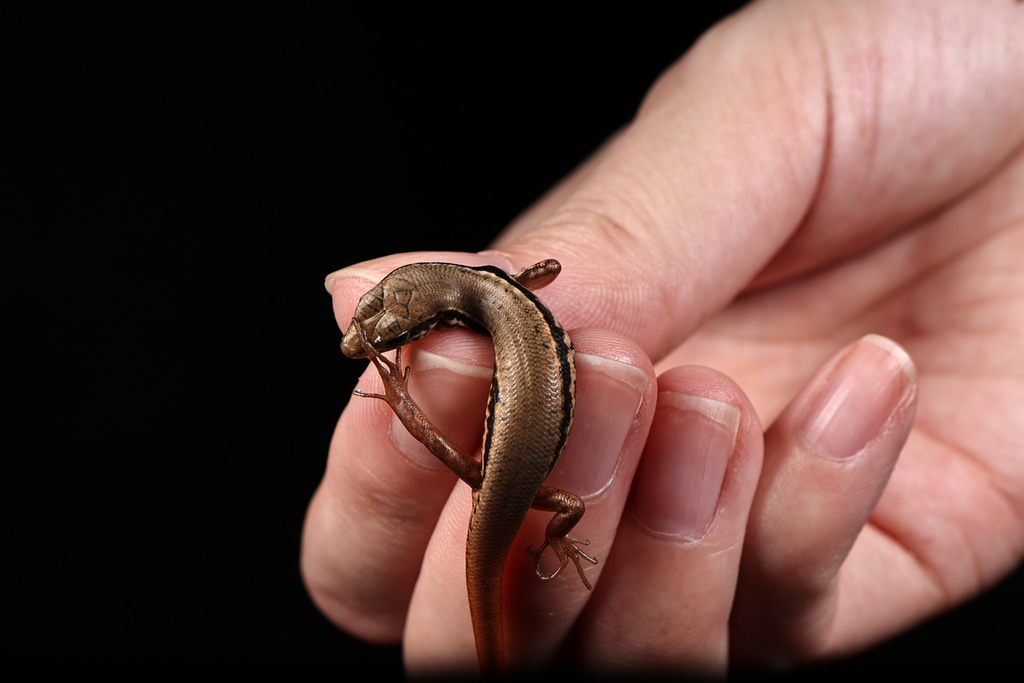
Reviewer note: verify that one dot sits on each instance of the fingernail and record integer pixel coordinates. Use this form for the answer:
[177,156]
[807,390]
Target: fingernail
[446,390]
[684,463]
[847,409]
[353,272]
[608,395]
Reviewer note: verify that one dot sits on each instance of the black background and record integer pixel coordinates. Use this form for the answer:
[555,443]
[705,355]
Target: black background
[181,182]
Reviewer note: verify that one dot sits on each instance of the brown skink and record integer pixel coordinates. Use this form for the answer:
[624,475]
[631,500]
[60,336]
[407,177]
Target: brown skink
[529,414]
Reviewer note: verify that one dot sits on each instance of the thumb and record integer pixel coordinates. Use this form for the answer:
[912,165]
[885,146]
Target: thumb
[677,212]
[749,155]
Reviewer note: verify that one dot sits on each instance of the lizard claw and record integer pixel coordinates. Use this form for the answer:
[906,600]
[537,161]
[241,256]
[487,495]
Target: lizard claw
[395,381]
[566,549]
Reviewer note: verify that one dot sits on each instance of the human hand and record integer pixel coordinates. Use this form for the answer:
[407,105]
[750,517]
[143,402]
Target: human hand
[809,173]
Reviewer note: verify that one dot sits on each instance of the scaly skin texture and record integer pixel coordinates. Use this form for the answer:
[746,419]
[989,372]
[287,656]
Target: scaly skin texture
[528,416]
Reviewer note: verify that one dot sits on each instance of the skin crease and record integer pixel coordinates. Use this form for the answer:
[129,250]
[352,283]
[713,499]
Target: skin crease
[810,172]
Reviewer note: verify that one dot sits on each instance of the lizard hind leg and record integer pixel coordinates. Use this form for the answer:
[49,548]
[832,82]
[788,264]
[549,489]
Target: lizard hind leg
[568,509]
[566,549]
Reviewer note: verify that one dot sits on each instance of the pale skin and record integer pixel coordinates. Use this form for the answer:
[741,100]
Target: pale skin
[808,174]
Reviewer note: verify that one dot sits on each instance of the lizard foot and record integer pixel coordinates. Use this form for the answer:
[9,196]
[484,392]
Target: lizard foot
[395,381]
[565,548]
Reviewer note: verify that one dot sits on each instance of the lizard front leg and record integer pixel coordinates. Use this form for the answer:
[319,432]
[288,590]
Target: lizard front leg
[396,395]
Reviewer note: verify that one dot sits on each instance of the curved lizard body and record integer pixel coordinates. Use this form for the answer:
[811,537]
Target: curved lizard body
[529,414]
